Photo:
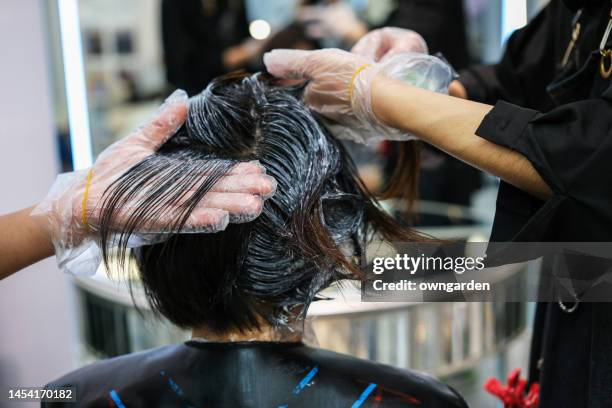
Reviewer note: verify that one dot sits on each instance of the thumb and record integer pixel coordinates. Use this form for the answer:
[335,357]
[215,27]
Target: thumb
[169,117]
[288,64]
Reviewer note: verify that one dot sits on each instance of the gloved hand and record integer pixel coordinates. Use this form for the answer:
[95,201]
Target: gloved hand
[74,203]
[337,20]
[340,85]
[384,43]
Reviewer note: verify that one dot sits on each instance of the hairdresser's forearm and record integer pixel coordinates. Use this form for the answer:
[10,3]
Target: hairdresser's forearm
[450,124]
[24,240]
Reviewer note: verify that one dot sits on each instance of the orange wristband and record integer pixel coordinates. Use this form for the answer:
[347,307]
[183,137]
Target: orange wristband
[85,196]
[352,83]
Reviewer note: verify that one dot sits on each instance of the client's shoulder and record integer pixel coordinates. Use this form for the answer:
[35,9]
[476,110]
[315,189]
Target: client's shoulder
[389,383]
[121,369]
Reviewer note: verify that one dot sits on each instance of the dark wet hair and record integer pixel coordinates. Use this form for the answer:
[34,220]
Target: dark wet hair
[311,233]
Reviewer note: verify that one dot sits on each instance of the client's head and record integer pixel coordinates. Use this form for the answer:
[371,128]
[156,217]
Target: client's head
[267,271]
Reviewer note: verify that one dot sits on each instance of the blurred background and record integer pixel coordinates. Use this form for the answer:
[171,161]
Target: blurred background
[79,74]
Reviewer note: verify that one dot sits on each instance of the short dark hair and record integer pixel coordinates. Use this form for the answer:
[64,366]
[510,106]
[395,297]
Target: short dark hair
[311,233]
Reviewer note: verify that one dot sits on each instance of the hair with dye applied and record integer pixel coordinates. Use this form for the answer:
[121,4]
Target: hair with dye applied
[311,233]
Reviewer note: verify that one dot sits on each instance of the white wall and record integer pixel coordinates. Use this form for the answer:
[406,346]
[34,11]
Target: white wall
[37,322]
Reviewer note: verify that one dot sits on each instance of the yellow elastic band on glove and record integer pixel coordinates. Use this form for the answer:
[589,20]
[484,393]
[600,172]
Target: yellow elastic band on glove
[352,83]
[85,196]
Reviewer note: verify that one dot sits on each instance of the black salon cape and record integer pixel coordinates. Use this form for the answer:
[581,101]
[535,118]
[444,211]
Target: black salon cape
[564,127]
[250,374]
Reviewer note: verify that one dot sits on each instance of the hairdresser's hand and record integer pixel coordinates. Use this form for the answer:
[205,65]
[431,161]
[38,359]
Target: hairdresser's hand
[340,85]
[332,90]
[384,43]
[73,206]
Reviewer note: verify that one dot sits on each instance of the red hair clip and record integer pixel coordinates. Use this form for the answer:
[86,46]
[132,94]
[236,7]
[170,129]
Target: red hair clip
[513,394]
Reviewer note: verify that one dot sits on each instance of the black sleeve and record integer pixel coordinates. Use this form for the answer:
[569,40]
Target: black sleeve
[529,62]
[440,22]
[242,26]
[192,55]
[177,43]
[571,148]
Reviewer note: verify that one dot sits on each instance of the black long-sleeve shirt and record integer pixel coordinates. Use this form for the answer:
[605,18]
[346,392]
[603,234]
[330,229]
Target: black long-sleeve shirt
[564,127]
[569,144]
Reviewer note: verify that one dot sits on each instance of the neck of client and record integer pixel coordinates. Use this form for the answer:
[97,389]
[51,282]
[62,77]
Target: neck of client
[265,332]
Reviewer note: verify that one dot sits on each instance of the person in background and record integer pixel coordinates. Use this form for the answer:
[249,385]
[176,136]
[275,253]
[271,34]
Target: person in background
[203,39]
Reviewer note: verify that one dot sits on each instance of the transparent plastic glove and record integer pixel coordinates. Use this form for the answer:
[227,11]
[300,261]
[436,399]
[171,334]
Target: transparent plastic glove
[74,203]
[384,43]
[337,20]
[340,86]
